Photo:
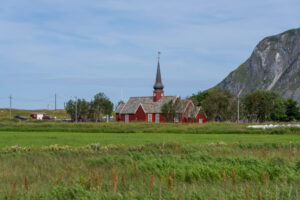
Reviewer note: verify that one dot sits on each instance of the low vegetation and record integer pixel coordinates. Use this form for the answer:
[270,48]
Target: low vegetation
[137,127]
[61,160]
[152,171]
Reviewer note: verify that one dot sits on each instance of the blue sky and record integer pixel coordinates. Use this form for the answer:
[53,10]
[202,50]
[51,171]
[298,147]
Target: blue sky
[80,48]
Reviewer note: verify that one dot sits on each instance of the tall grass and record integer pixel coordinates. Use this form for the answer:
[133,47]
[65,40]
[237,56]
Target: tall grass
[164,171]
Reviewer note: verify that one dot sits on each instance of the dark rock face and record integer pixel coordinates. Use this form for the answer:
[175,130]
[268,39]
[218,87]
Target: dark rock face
[273,65]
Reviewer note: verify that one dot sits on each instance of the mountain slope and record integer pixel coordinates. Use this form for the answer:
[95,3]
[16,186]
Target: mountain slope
[273,65]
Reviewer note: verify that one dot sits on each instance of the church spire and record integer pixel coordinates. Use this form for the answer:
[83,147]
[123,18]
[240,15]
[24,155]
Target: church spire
[158,86]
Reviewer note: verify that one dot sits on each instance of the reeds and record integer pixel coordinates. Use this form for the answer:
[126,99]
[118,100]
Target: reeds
[259,196]
[178,197]
[99,176]
[25,183]
[170,181]
[123,180]
[233,178]
[116,183]
[151,184]
[222,197]
[13,190]
[246,192]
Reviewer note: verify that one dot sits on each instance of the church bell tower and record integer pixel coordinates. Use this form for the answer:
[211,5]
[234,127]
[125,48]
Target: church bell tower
[158,86]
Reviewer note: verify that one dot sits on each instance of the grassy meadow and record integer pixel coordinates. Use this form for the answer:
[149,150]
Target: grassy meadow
[59,160]
[5,113]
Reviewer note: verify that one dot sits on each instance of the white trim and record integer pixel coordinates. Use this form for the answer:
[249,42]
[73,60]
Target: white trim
[150,114]
[176,119]
[187,107]
[138,108]
[127,117]
[157,119]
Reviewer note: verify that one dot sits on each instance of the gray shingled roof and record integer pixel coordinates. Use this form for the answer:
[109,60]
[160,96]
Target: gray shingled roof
[120,107]
[183,104]
[147,103]
[193,112]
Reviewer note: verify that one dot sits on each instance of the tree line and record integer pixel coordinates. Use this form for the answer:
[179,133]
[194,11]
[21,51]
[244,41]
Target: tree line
[259,106]
[94,110]
[217,104]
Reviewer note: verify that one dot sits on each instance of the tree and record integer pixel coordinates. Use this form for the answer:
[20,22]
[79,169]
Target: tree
[278,112]
[218,104]
[82,109]
[101,105]
[169,110]
[264,105]
[70,107]
[199,97]
[292,110]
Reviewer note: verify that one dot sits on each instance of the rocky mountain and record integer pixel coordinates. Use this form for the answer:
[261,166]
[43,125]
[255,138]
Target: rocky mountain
[273,65]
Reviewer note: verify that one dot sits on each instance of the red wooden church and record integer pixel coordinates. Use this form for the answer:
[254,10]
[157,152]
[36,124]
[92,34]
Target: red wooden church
[149,108]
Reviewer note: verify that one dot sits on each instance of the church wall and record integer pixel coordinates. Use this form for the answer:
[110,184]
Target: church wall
[140,114]
[201,116]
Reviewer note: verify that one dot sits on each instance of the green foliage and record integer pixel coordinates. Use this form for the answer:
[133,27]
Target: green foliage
[292,110]
[82,109]
[278,112]
[262,105]
[218,104]
[192,171]
[199,97]
[169,111]
[101,105]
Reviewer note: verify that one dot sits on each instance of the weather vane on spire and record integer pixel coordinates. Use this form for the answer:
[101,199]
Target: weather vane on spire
[158,55]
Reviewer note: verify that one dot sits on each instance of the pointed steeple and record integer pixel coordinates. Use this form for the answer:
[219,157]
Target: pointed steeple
[158,86]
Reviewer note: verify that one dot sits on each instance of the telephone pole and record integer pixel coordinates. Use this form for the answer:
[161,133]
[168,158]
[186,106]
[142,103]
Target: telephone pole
[10,98]
[55,101]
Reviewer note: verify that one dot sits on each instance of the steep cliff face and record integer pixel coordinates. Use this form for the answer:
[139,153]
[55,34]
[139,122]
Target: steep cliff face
[273,65]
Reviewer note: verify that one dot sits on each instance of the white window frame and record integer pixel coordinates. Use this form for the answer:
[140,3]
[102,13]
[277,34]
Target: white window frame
[126,118]
[176,120]
[157,118]
[150,117]
[201,121]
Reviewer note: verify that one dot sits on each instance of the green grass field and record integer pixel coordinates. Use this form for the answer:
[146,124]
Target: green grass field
[56,160]
[39,139]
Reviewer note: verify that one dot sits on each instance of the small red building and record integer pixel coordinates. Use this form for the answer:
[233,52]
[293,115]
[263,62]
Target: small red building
[149,108]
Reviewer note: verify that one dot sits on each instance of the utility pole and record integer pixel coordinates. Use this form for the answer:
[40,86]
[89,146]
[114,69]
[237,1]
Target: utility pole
[76,109]
[55,101]
[10,98]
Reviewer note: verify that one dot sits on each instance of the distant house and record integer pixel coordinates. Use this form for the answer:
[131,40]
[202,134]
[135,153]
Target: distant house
[149,108]
[38,116]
